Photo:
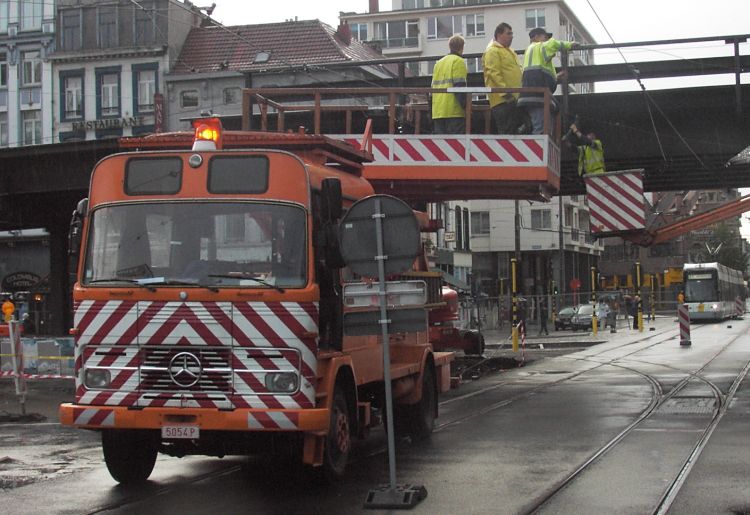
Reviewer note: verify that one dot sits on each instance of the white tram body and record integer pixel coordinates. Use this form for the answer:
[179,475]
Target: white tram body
[711,290]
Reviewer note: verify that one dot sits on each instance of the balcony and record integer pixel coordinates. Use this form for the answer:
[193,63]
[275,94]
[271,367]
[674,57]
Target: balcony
[398,45]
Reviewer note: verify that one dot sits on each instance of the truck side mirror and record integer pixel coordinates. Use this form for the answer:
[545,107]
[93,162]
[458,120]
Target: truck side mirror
[74,235]
[331,199]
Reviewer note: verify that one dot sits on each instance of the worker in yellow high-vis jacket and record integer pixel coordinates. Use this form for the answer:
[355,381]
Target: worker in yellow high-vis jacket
[448,109]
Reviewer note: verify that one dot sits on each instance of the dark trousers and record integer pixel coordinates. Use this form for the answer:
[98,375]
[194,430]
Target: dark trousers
[506,118]
[449,126]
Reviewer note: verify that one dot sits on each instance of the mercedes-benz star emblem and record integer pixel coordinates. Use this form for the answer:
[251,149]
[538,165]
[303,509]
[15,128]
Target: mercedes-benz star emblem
[185,369]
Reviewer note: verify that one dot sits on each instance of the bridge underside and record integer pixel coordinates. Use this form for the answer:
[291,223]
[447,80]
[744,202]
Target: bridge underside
[694,133]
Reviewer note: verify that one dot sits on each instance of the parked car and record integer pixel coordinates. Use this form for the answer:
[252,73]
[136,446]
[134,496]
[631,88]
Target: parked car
[582,318]
[562,321]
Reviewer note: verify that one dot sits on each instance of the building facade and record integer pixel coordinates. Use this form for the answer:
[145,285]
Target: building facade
[110,64]
[27,32]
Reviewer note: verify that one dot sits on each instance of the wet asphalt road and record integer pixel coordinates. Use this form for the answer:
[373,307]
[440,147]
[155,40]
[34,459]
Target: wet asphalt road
[503,442]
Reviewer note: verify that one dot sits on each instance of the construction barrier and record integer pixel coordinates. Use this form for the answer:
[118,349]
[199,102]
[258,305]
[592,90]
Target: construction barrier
[683,318]
[739,307]
[43,358]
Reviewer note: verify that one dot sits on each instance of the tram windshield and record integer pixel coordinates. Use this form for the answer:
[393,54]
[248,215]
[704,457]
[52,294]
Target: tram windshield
[700,288]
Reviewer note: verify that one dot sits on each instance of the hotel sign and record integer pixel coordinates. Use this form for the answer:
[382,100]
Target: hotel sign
[108,123]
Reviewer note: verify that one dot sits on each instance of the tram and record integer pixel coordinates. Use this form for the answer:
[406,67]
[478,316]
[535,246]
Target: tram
[711,290]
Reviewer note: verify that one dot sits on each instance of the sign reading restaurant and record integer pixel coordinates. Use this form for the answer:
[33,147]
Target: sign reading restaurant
[108,123]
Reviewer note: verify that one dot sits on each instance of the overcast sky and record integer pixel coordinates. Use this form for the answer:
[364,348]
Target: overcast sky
[634,20]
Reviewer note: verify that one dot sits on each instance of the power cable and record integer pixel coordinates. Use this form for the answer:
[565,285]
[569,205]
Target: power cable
[648,97]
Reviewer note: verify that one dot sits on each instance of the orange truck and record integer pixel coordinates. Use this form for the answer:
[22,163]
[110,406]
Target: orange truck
[209,312]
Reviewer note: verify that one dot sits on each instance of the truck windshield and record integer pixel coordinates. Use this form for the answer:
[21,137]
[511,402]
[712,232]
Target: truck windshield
[210,244]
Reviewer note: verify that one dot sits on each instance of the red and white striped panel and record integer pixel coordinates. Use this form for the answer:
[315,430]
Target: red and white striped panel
[253,338]
[616,201]
[94,417]
[446,150]
[273,420]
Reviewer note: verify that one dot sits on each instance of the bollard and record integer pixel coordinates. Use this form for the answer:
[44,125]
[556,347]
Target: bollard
[739,307]
[683,317]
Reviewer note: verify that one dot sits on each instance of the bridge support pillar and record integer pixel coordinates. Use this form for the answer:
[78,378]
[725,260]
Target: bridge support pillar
[59,301]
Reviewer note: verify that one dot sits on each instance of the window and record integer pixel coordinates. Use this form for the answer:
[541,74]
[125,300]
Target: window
[32,127]
[4,15]
[146,83]
[107,26]
[109,94]
[535,18]
[541,219]
[73,86]
[443,27]
[395,34]
[480,222]
[474,64]
[231,95]
[31,66]
[3,71]
[153,176]
[245,174]
[144,23]
[70,19]
[3,129]
[359,31]
[31,14]
[189,98]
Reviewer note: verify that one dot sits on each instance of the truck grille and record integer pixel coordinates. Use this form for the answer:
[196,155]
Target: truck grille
[214,374]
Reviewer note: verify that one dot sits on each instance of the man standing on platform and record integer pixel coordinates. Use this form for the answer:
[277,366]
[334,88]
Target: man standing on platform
[448,109]
[502,70]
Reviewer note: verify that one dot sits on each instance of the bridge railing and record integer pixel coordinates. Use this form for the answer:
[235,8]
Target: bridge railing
[394,110]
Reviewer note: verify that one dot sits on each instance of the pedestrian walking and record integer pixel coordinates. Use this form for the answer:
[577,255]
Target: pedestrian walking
[448,109]
[543,314]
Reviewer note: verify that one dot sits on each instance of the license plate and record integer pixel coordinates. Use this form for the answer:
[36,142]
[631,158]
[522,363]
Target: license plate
[182,432]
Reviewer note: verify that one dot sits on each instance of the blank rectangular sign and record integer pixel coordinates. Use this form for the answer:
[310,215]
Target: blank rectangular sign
[365,323]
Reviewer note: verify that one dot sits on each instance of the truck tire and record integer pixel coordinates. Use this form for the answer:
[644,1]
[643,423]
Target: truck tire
[130,455]
[339,438]
[420,417]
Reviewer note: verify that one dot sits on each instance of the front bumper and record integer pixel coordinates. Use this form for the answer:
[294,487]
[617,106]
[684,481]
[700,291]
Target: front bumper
[121,417]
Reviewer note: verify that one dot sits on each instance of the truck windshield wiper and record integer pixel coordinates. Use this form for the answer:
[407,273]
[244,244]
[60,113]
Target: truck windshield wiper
[244,276]
[150,282]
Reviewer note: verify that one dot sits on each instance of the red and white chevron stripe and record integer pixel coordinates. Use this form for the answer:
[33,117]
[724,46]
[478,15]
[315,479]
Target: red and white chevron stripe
[238,344]
[273,420]
[94,417]
[616,201]
[474,149]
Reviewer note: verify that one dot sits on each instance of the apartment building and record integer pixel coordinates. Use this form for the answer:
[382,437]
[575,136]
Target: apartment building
[27,32]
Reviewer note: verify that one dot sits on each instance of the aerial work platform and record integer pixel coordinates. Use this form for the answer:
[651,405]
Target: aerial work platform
[419,167]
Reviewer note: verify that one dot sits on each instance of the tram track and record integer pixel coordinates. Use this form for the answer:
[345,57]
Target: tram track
[658,400]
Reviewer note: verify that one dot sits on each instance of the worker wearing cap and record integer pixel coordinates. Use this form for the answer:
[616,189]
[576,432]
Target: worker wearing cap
[502,70]
[448,114]
[539,71]
[590,152]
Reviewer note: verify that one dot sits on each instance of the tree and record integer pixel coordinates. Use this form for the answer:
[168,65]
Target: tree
[724,247]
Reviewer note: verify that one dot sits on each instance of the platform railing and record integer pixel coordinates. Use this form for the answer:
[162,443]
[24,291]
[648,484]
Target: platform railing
[405,109]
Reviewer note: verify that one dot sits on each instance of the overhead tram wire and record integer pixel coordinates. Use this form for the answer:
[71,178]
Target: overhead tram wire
[648,97]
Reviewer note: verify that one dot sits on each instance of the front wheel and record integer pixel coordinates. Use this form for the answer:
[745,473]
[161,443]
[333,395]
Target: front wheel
[339,438]
[130,455]
[419,419]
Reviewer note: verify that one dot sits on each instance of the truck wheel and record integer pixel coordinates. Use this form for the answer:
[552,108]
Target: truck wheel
[130,455]
[338,439]
[480,344]
[421,420]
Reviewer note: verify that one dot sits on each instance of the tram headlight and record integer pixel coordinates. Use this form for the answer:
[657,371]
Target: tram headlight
[282,382]
[97,378]
[714,306]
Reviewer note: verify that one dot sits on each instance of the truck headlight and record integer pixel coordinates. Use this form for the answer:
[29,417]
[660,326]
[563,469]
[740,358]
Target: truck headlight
[97,378]
[285,382]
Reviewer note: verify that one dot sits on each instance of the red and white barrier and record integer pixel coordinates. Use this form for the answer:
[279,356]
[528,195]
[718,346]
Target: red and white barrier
[739,307]
[683,317]
[12,373]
